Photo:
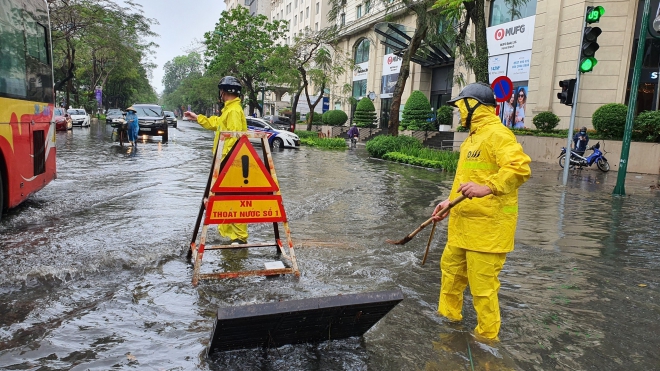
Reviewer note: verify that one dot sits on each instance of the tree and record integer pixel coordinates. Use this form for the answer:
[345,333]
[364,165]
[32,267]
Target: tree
[417,112]
[179,68]
[365,113]
[240,45]
[425,27]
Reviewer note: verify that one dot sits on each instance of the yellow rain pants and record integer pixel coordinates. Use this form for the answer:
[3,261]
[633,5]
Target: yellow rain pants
[232,118]
[481,230]
[459,266]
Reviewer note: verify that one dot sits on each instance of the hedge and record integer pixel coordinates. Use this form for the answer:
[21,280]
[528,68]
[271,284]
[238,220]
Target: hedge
[334,118]
[380,145]
[610,120]
[445,115]
[546,121]
[647,125]
[365,113]
[417,113]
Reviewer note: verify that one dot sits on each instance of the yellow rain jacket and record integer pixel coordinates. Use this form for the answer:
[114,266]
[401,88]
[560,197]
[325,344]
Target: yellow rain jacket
[232,118]
[490,156]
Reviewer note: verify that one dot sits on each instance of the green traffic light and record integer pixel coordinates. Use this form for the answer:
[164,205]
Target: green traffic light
[587,64]
[595,13]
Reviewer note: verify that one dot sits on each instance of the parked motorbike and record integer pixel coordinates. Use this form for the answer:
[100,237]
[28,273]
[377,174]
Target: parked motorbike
[596,157]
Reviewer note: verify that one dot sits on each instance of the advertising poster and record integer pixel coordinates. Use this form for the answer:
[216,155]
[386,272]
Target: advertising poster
[519,64]
[361,71]
[520,104]
[391,68]
[511,37]
[497,66]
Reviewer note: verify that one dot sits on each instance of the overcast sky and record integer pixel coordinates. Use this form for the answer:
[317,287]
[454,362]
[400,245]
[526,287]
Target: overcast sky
[181,23]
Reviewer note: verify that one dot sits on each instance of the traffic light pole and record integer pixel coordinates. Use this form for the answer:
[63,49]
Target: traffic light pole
[571,125]
[620,188]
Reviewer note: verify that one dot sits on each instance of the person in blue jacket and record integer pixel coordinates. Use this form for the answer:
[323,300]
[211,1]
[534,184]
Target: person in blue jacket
[580,141]
[133,126]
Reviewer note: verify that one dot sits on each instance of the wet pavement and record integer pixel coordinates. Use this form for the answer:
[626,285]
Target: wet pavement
[93,270]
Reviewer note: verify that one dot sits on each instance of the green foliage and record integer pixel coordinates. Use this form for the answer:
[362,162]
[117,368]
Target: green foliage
[180,68]
[238,46]
[334,118]
[417,113]
[610,120]
[365,113]
[425,157]
[327,143]
[462,129]
[380,145]
[648,125]
[306,134]
[445,115]
[545,121]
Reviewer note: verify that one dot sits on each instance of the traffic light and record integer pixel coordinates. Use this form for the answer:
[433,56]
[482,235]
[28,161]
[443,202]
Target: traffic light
[567,91]
[589,39]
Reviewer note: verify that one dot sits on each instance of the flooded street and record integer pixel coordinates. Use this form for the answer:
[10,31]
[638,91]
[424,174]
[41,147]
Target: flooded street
[93,269]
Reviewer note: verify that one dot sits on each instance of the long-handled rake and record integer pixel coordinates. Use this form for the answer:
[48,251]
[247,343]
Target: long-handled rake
[409,237]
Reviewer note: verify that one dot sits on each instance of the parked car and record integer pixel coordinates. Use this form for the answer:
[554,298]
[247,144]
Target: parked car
[276,138]
[152,121]
[62,119]
[113,115]
[171,119]
[79,117]
[278,122]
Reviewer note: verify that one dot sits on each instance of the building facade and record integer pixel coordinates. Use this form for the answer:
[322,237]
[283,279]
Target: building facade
[535,46]
[255,6]
[301,15]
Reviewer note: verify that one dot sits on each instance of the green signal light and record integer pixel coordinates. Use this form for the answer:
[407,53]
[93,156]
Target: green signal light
[594,14]
[587,64]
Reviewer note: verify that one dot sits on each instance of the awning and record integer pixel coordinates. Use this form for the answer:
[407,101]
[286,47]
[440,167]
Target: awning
[398,37]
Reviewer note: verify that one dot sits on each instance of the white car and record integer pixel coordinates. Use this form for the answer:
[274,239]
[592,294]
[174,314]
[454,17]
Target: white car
[276,138]
[79,117]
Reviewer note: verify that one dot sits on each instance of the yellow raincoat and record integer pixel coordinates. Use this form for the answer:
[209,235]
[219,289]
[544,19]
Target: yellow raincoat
[232,118]
[481,230]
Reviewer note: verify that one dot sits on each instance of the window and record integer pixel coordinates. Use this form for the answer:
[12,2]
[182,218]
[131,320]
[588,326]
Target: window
[388,49]
[359,88]
[307,13]
[317,8]
[342,19]
[358,12]
[362,51]
[295,4]
[501,11]
[295,20]
[288,8]
[367,7]
[300,16]
[337,105]
[316,26]
[12,72]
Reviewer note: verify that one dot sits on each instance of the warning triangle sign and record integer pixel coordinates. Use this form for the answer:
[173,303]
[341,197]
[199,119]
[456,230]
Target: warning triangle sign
[244,171]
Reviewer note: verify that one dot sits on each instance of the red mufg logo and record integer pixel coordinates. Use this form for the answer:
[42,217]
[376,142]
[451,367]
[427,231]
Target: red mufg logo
[499,34]
[389,60]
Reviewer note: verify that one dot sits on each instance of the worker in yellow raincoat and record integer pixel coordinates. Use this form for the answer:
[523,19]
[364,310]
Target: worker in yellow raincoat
[231,118]
[491,167]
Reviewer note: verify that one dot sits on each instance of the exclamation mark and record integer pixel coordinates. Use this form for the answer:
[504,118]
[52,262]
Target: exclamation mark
[245,160]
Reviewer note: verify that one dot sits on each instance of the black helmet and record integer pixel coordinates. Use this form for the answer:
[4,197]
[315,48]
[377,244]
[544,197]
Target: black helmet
[230,84]
[479,91]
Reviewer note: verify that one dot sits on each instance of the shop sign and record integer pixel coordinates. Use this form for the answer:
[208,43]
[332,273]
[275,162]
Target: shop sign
[361,71]
[391,68]
[511,37]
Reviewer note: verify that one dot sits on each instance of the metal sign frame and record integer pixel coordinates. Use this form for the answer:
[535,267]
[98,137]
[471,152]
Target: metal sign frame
[196,252]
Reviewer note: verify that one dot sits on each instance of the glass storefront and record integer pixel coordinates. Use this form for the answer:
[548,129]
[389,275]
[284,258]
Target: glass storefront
[501,11]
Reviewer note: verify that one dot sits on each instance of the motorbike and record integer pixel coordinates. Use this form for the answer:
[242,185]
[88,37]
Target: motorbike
[596,157]
[354,141]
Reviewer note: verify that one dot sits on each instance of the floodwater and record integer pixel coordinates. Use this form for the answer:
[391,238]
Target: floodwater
[93,269]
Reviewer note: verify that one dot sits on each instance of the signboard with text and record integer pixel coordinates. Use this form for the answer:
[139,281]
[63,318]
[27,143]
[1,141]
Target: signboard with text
[497,66]
[519,64]
[511,37]
[391,68]
[245,209]
[361,71]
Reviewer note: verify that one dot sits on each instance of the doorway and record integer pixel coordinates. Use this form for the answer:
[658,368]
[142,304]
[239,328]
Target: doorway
[385,106]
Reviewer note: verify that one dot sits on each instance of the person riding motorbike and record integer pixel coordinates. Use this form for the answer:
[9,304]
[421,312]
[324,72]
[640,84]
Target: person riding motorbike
[231,118]
[580,141]
[354,133]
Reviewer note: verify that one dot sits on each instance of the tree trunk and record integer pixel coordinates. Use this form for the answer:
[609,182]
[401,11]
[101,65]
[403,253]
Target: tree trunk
[481,42]
[419,35]
[294,105]
[312,106]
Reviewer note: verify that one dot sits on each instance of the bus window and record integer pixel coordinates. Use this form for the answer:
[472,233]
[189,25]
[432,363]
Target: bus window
[37,44]
[12,63]
[39,73]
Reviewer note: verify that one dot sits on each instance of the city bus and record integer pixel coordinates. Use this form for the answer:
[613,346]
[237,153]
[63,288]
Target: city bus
[27,130]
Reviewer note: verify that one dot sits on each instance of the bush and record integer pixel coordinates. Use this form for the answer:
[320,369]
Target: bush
[328,143]
[546,121]
[365,113]
[648,125]
[445,115]
[317,119]
[334,118]
[306,134]
[425,157]
[382,144]
[610,120]
[417,113]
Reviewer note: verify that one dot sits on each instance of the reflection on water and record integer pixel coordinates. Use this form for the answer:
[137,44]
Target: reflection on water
[93,272]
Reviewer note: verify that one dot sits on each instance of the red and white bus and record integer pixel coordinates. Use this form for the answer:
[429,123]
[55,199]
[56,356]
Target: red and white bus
[27,130]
